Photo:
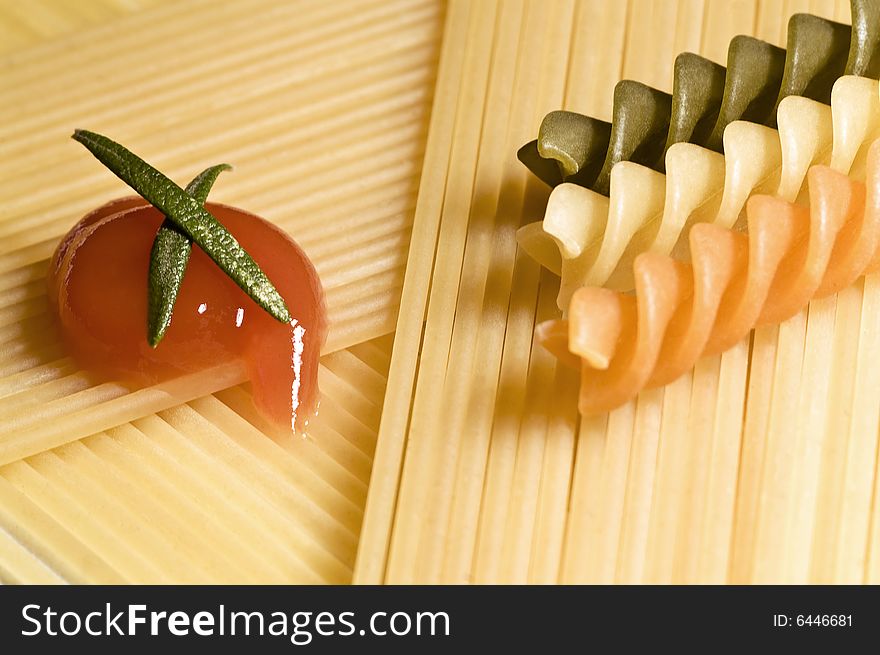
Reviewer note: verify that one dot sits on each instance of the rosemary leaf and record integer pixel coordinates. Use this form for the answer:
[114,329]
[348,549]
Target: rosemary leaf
[191,217]
[169,258]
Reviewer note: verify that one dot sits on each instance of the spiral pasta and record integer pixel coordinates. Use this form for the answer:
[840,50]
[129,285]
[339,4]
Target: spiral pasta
[590,239]
[791,254]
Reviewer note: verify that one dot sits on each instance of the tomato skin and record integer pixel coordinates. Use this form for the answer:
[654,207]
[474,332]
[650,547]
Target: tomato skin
[98,288]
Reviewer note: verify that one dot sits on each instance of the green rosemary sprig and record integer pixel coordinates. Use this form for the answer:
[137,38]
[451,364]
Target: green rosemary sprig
[190,217]
[169,258]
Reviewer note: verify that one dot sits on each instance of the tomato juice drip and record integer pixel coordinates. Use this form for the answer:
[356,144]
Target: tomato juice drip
[98,288]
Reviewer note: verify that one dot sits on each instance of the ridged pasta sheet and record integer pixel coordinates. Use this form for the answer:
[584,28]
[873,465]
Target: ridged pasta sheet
[323,114]
[199,493]
[323,110]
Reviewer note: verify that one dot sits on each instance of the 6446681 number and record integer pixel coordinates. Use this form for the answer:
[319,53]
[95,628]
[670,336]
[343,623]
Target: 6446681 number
[824,620]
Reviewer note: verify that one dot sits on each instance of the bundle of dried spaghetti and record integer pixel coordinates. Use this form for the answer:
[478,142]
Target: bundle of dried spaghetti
[679,312]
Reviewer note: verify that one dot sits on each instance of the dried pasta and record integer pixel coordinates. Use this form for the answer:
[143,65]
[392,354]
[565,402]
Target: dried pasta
[593,240]
[318,144]
[686,483]
[597,239]
[381,114]
[755,466]
[611,251]
[680,312]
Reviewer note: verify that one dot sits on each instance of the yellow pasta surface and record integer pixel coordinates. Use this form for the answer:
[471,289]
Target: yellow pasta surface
[323,111]
[382,136]
[757,466]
